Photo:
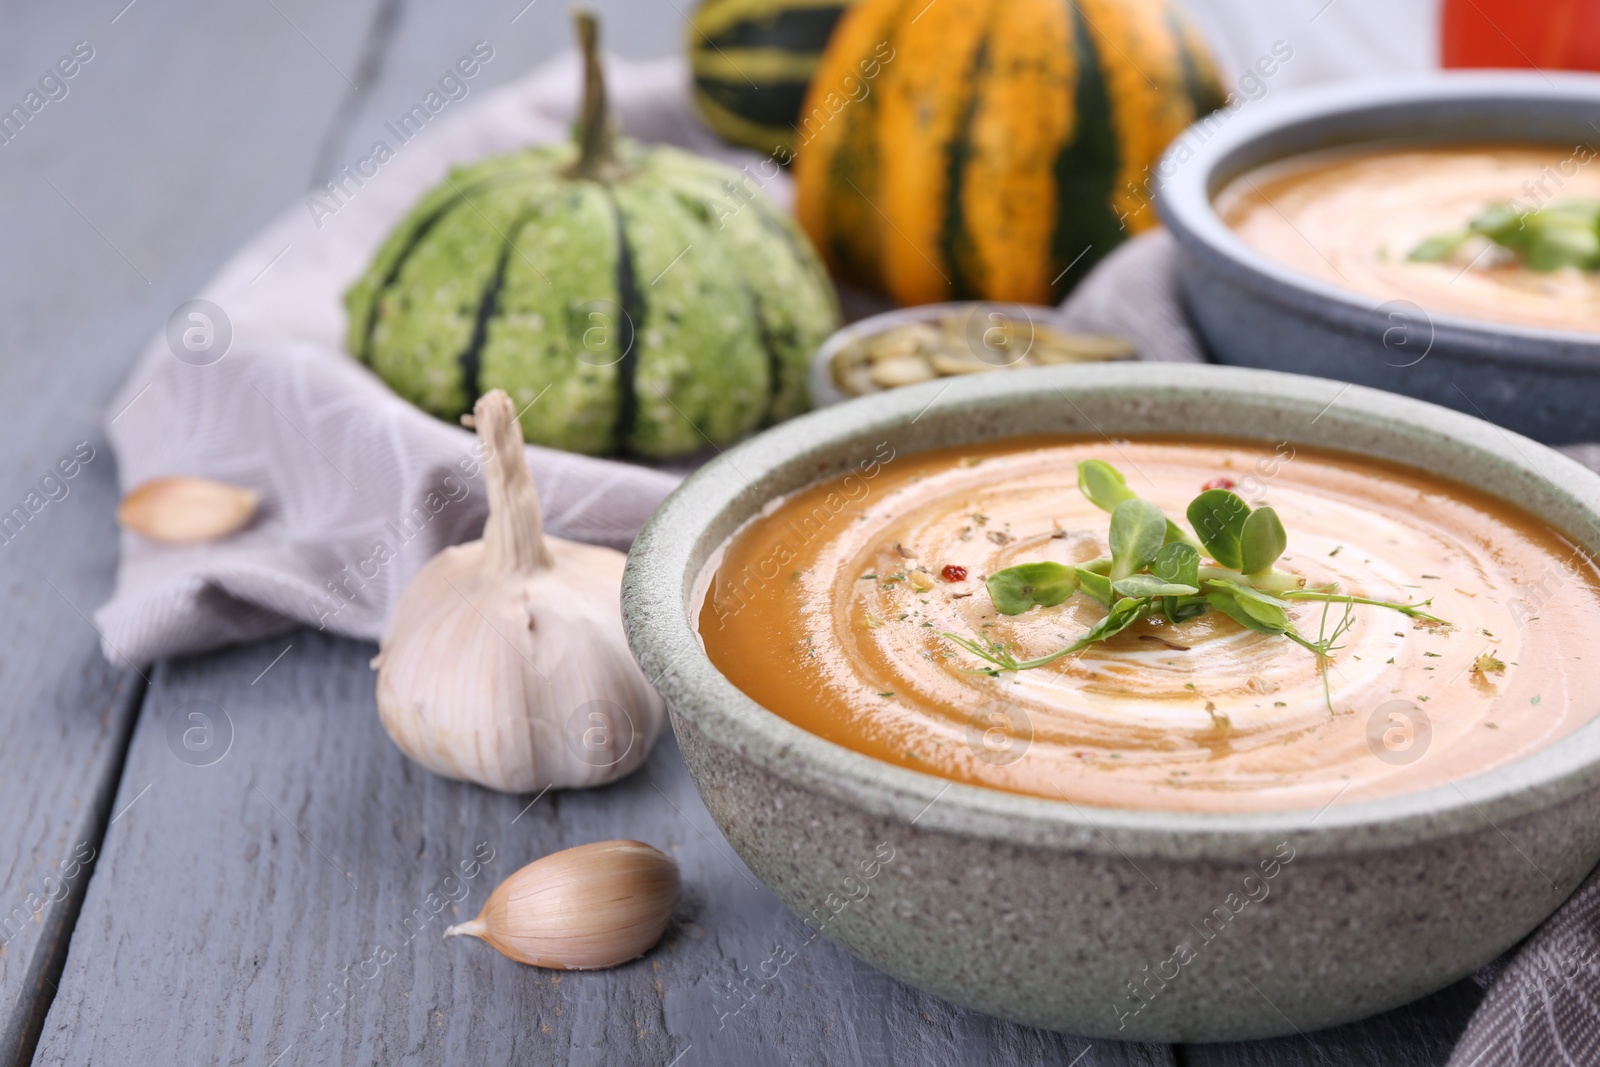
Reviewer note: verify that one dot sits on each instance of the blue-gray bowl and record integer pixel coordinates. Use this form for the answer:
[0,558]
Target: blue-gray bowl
[1255,312]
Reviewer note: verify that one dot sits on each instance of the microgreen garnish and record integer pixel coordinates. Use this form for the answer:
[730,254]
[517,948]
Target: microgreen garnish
[1094,583]
[1138,529]
[1105,487]
[1016,589]
[1155,568]
[1411,610]
[1564,234]
[1218,517]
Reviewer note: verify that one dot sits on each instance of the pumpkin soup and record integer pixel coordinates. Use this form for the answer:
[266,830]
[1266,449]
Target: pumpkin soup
[1334,629]
[1359,218]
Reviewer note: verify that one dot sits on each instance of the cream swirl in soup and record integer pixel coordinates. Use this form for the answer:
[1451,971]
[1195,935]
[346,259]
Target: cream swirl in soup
[1353,217]
[828,609]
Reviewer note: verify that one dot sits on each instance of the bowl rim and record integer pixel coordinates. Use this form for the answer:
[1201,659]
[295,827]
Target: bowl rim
[671,549]
[1185,188]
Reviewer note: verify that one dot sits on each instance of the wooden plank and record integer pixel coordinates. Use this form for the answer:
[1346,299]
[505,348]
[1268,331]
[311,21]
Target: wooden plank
[65,714]
[276,903]
[1418,1035]
[116,199]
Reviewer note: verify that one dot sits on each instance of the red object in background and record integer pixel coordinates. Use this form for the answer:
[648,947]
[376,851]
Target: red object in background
[1549,34]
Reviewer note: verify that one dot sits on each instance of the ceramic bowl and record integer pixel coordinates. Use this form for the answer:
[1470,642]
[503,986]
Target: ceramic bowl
[1253,311]
[1075,917]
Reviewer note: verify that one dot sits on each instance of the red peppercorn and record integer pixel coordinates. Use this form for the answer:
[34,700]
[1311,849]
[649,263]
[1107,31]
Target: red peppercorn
[952,573]
[1219,483]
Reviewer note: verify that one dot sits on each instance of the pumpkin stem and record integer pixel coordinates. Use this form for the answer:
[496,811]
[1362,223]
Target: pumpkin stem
[597,156]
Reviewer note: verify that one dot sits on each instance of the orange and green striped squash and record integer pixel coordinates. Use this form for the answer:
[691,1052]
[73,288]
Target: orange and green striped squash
[991,149]
[752,61]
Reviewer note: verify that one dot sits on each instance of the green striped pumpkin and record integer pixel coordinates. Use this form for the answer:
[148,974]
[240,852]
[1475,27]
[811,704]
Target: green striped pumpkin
[752,61]
[627,297]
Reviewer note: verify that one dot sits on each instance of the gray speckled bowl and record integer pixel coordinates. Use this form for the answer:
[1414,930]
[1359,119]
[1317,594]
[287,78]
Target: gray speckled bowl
[1254,311]
[1071,917]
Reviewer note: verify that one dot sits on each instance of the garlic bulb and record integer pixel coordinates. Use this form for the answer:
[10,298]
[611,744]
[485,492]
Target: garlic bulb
[181,510]
[582,908]
[505,662]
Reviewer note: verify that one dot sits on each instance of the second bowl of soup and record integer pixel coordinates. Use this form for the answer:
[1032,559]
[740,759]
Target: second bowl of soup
[1435,236]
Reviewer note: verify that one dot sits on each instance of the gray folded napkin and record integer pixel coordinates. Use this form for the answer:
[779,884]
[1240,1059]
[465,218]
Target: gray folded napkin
[359,488]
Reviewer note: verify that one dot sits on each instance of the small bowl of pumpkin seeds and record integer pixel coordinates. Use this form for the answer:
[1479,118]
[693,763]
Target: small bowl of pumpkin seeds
[919,344]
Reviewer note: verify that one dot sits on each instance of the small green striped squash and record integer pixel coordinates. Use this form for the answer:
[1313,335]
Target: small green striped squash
[649,314]
[1001,148]
[752,61]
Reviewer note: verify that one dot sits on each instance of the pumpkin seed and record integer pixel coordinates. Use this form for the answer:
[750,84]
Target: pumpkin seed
[902,370]
[904,341]
[920,351]
[1054,346]
[949,363]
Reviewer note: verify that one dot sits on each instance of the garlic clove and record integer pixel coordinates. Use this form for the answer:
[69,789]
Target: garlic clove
[582,908]
[182,509]
[505,661]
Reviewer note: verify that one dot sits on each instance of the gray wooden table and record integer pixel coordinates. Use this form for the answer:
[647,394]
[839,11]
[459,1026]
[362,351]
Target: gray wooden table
[274,907]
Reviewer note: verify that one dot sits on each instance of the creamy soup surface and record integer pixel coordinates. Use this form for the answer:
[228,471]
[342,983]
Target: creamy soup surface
[822,610]
[1352,217]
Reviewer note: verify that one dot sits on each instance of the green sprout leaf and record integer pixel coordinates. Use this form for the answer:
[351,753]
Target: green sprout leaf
[1103,484]
[1096,585]
[1565,234]
[1138,530]
[1500,224]
[1144,585]
[1442,247]
[1264,608]
[1261,541]
[1178,562]
[1105,488]
[1224,601]
[1556,245]
[1575,212]
[1218,517]
[1180,609]
[1124,613]
[1016,589]
[1175,572]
